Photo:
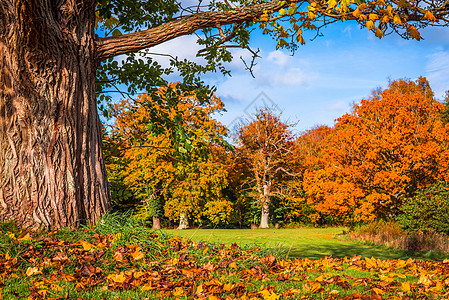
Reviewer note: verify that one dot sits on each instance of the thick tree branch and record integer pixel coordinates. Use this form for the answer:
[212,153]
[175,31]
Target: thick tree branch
[132,42]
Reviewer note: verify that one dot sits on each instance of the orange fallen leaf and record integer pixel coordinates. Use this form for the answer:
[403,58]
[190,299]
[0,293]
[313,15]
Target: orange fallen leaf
[233,265]
[178,291]
[25,237]
[378,291]
[116,278]
[138,254]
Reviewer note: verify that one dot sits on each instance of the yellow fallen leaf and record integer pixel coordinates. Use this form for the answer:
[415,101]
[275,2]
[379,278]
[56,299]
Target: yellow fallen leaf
[385,278]
[378,291]
[148,287]
[267,295]
[397,275]
[178,291]
[437,288]
[405,287]
[199,289]
[425,280]
[116,278]
[86,245]
[33,271]
[315,286]
[228,287]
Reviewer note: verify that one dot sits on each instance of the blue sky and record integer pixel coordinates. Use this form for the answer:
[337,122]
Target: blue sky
[326,76]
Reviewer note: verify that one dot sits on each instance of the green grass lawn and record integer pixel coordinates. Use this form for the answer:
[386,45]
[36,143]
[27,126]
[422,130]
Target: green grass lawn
[312,243]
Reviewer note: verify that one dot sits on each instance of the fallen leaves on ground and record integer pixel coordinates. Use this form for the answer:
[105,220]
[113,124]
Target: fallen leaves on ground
[182,269]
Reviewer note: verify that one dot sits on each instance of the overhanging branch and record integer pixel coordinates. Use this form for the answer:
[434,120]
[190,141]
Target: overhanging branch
[132,42]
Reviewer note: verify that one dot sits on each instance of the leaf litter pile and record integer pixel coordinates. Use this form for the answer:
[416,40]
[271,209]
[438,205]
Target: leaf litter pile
[154,266]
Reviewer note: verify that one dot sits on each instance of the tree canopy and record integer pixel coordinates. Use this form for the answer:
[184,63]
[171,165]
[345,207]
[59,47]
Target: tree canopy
[389,147]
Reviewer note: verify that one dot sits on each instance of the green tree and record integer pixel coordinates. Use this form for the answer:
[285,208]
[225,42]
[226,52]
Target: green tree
[53,65]
[428,210]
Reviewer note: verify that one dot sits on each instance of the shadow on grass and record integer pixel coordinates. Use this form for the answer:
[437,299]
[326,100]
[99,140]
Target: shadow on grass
[342,250]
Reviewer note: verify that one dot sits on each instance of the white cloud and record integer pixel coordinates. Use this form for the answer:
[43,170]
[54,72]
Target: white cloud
[181,47]
[279,58]
[348,31]
[340,106]
[437,72]
[290,77]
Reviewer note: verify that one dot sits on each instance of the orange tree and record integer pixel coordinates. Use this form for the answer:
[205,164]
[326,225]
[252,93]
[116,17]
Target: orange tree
[305,156]
[387,148]
[175,179]
[266,143]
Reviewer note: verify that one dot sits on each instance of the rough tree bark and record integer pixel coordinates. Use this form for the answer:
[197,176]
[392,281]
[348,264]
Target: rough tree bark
[52,172]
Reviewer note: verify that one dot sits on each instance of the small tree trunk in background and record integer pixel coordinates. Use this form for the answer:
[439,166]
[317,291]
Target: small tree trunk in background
[156,223]
[183,221]
[265,206]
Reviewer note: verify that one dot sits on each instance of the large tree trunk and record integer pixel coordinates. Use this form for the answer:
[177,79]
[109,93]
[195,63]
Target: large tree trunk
[52,171]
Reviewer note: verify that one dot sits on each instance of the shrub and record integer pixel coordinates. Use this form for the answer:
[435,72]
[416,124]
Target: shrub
[427,211]
[390,234]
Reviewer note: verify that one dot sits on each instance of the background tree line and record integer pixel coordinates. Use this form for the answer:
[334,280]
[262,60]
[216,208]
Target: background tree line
[375,163]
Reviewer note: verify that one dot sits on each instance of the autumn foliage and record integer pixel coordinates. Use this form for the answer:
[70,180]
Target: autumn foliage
[172,179]
[390,146]
[386,150]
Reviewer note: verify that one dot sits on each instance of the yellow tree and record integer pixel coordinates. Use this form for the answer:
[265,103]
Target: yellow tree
[266,142]
[185,176]
[387,148]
